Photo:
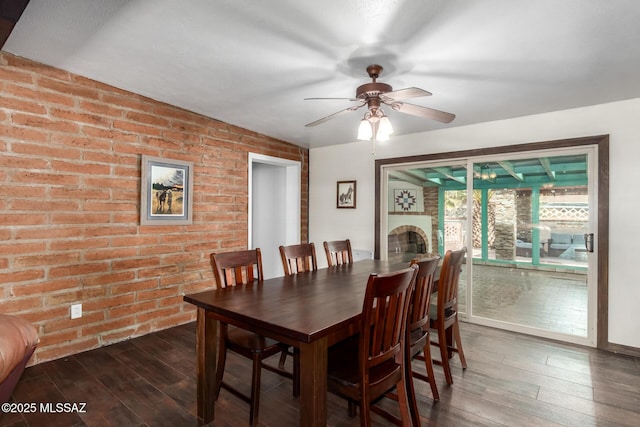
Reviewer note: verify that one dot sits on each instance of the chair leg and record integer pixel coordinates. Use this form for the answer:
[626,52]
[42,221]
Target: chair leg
[365,411]
[403,402]
[413,403]
[296,372]
[456,335]
[255,391]
[283,359]
[352,408]
[444,353]
[222,358]
[428,363]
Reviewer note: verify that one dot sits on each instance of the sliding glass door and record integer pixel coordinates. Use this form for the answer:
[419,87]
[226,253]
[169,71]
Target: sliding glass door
[526,220]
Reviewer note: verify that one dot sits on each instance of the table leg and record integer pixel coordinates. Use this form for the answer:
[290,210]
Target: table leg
[313,383]
[206,352]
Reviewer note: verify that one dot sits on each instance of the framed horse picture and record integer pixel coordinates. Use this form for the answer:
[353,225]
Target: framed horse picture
[346,198]
[166,191]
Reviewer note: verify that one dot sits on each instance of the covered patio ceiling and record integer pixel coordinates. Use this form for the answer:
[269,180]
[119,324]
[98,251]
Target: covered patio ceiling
[546,173]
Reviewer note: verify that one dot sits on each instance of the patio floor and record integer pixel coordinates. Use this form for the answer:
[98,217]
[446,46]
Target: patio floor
[550,300]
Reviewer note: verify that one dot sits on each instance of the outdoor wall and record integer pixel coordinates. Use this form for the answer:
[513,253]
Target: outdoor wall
[70,157]
[618,119]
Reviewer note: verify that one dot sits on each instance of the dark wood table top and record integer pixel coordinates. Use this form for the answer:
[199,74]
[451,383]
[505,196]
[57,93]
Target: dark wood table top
[298,308]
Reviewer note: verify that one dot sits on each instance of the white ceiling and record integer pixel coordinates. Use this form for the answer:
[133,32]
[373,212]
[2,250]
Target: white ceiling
[252,63]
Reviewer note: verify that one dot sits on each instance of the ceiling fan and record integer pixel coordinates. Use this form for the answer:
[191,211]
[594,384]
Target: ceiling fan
[375,123]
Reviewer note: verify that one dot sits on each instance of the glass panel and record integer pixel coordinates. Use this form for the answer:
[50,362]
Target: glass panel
[427,213]
[529,260]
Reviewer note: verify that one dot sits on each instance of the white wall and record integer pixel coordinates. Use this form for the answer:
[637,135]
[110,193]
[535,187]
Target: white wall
[268,219]
[620,120]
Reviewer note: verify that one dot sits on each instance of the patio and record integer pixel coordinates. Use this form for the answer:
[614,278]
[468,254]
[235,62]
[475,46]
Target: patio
[551,300]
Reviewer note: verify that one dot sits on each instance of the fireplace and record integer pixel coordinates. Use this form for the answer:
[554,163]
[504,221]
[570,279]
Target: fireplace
[407,242]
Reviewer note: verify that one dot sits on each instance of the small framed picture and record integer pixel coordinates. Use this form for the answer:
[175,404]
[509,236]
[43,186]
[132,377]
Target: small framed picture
[166,191]
[346,197]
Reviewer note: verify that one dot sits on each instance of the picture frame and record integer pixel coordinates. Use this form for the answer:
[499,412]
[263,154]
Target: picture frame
[166,193]
[346,195]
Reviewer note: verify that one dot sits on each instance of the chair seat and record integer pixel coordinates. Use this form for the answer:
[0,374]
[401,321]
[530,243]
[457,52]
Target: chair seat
[252,341]
[346,375]
[417,338]
[342,369]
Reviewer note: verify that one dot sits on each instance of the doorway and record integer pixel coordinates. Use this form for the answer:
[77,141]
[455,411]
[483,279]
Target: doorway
[523,217]
[274,208]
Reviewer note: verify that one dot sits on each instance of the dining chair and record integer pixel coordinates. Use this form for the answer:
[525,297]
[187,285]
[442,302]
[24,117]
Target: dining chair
[444,312]
[338,252]
[298,258]
[418,331]
[380,348]
[244,268]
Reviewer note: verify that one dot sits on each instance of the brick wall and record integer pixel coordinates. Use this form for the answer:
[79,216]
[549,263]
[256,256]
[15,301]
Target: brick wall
[70,157]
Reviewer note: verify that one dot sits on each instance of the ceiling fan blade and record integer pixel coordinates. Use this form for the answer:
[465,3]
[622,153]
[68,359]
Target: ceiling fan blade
[410,92]
[426,112]
[331,116]
[333,99]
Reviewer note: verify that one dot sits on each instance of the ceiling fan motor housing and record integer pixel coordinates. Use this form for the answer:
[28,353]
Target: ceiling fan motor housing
[372,90]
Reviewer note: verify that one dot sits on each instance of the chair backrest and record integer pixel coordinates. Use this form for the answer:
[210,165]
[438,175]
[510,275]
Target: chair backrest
[338,252]
[298,258]
[448,281]
[237,268]
[421,300]
[384,317]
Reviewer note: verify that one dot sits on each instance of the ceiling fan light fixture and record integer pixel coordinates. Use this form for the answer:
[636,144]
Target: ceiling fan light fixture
[364,131]
[384,127]
[382,136]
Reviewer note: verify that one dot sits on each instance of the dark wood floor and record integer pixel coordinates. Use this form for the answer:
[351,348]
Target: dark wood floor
[512,380]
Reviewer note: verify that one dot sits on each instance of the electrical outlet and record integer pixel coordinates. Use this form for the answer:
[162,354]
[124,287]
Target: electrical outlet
[76,311]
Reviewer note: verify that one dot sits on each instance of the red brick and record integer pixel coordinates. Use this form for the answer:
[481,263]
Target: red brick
[134,286]
[46,260]
[67,88]
[44,123]
[156,314]
[66,322]
[101,109]
[136,128]
[45,354]
[22,105]
[16,277]
[40,96]
[128,310]
[147,119]
[75,296]
[15,75]
[58,337]
[80,168]
[41,288]
[19,305]
[82,269]
[23,134]
[109,325]
[108,302]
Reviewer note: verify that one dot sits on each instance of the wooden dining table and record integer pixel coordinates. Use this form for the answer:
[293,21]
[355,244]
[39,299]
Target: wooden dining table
[310,311]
